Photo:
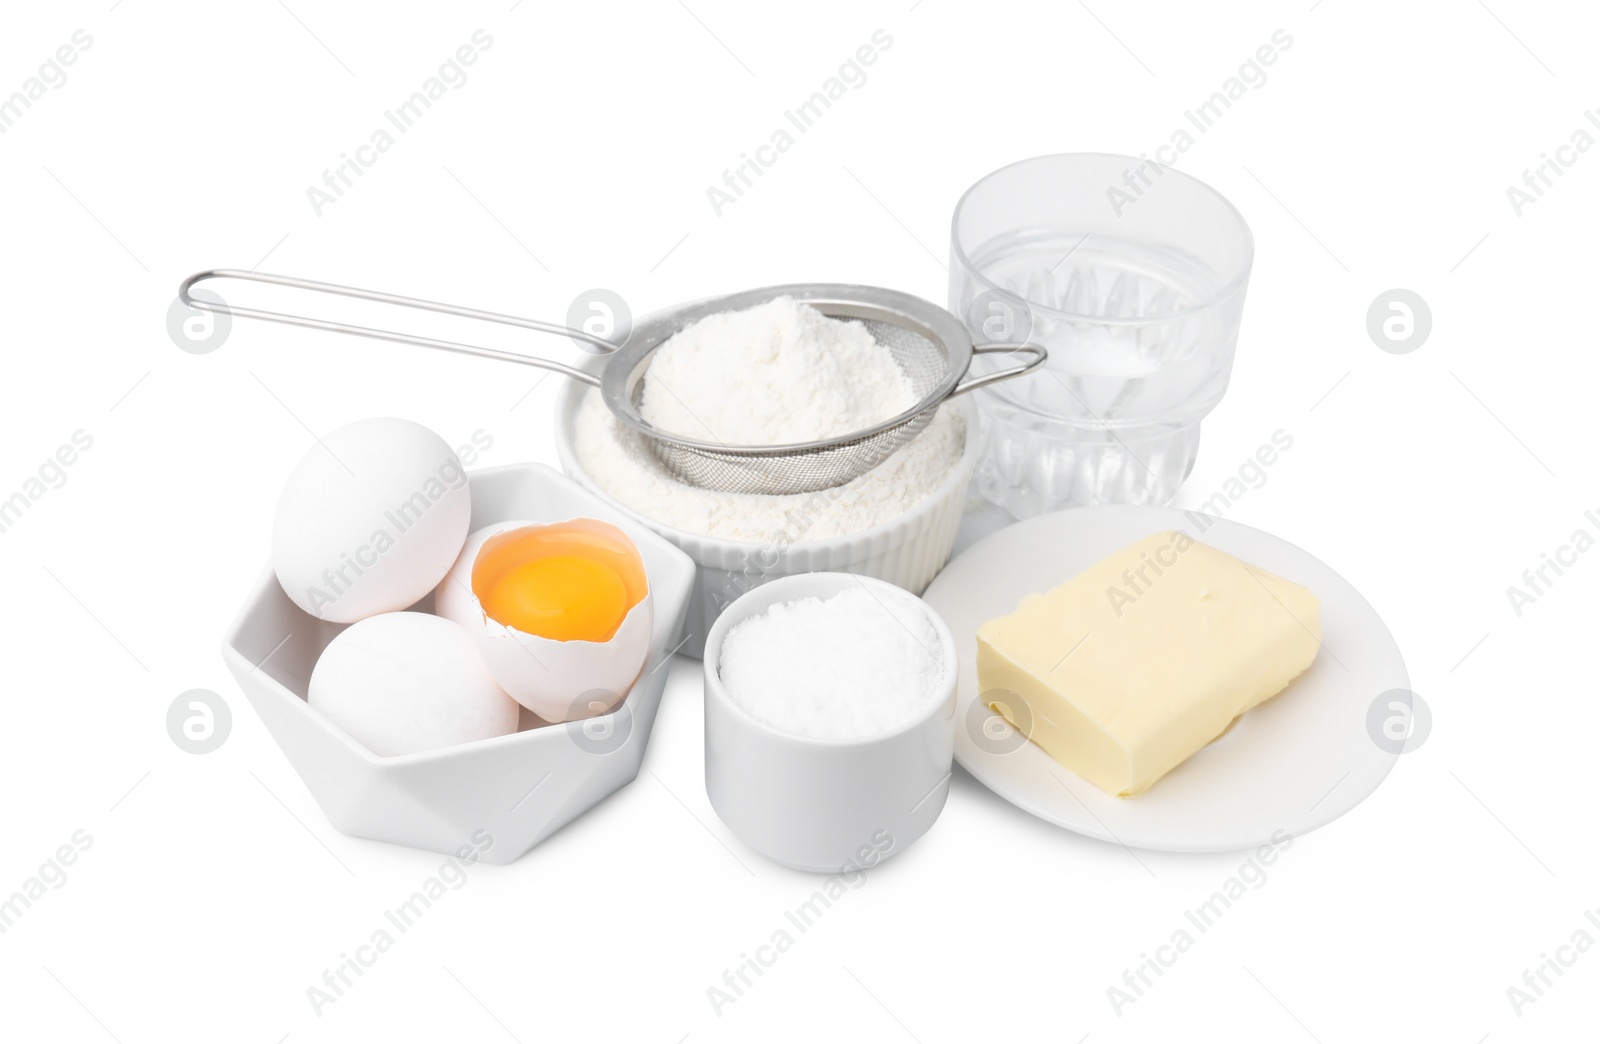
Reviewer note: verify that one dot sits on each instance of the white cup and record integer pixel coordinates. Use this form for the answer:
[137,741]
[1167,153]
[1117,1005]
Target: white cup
[826,805]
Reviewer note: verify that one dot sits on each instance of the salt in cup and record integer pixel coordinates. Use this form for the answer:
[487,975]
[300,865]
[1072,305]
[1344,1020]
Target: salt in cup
[827,805]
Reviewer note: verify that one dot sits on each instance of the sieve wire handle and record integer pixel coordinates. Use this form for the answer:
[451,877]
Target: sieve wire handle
[312,286]
[1038,353]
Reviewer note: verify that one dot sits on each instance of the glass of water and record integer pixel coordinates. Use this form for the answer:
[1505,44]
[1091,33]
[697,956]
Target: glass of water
[1133,276]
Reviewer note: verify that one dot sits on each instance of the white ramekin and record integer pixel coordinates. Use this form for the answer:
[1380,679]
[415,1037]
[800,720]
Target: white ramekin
[907,551]
[826,806]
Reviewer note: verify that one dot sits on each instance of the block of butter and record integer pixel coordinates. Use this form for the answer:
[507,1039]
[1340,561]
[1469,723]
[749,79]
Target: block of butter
[1128,668]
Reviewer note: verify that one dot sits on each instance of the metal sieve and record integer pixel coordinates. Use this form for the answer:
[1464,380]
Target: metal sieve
[932,347]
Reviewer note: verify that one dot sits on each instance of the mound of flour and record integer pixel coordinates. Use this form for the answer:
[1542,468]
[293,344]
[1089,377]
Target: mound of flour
[617,460]
[778,373]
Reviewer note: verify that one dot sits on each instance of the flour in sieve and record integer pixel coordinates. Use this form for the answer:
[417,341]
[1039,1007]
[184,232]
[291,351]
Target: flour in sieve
[778,373]
[617,460]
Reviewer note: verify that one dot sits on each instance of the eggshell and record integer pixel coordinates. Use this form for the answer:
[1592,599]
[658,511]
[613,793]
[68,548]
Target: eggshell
[453,598]
[370,520]
[399,683]
[558,681]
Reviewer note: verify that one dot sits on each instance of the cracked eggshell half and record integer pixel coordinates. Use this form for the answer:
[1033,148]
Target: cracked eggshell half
[569,615]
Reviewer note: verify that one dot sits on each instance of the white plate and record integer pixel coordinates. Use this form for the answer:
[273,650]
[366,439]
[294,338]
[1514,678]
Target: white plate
[1295,763]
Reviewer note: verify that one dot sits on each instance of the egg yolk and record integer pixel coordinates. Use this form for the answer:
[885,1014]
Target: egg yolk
[573,581]
[561,597]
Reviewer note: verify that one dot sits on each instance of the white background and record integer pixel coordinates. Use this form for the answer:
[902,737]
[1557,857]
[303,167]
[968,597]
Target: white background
[1377,155]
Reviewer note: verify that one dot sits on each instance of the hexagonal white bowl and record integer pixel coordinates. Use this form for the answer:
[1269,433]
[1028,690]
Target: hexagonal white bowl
[520,788]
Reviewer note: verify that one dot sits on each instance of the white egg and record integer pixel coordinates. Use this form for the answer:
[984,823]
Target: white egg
[370,520]
[557,680]
[399,683]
